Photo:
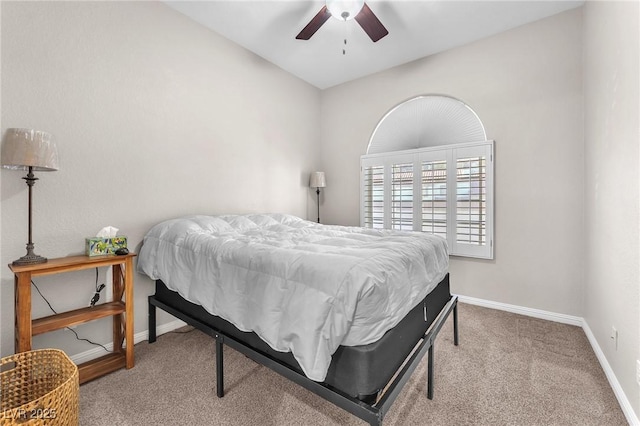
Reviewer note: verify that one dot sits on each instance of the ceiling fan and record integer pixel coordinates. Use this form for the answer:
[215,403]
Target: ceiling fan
[346,10]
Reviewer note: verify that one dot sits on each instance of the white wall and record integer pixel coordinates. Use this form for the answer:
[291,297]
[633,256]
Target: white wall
[526,86]
[612,212]
[154,117]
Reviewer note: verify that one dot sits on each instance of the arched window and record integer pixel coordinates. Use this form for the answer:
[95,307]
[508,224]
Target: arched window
[429,168]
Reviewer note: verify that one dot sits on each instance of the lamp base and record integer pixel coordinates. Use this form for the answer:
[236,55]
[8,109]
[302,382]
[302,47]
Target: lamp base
[30,258]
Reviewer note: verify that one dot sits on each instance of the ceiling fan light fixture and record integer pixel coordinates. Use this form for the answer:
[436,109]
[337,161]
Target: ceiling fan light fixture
[344,10]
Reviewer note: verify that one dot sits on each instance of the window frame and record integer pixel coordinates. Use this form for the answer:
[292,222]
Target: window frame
[451,154]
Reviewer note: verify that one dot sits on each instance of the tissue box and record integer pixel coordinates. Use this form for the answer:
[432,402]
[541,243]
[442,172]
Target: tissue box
[96,246]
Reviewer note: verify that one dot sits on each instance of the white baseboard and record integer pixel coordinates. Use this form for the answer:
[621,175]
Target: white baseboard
[530,312]
[627,409]
[625,405]
[137,338]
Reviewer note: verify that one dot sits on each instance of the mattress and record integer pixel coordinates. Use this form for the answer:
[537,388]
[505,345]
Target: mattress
[358,371]
[302,287]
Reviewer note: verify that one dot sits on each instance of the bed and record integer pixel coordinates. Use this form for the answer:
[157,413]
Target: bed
[346,312]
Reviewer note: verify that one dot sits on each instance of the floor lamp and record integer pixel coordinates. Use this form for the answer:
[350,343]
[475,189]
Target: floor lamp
[30,150]
[317,181]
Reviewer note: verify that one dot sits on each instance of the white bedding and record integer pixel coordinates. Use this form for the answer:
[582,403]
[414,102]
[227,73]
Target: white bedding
[302,287]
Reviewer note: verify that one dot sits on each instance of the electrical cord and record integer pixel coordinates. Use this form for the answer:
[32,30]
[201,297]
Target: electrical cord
[96,295]
[68,328]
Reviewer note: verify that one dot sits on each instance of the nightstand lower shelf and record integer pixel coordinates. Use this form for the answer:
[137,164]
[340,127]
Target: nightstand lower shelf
[75,317]
[100,366]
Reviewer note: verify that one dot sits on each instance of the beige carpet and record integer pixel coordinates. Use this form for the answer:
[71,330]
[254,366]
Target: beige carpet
[508,370]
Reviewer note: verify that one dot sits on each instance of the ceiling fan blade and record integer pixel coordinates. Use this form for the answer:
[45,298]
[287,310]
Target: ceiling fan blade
[313,25]
[371,24]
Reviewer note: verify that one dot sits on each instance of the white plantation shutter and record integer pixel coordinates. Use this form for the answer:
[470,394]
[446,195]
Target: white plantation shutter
[434,195]
[470,222]
[373,197]
[474,201]
[446,191]
[402,196]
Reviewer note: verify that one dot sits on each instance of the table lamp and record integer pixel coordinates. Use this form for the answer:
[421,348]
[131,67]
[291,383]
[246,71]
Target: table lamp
[30,150]
[317,181]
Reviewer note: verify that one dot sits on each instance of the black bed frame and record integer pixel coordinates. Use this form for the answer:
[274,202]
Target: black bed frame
[371,413]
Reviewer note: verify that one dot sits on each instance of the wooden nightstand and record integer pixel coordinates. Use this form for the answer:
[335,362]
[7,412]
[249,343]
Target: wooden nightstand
[26,328]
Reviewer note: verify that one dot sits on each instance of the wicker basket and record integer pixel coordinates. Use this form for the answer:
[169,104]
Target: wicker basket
[39,388]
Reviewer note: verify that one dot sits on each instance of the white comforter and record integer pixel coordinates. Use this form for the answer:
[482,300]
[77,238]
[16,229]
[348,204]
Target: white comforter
[302,287]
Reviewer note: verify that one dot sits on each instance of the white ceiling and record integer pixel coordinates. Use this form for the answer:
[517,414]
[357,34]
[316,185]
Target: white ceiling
[417,28]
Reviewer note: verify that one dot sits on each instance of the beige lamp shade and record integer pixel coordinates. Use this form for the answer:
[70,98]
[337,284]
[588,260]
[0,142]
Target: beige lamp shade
[317,180]
[24,148]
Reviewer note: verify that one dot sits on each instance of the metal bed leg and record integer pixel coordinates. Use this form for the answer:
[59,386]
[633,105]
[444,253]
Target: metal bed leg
[152,322]
[455,324]
[219,367]
[430,372]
